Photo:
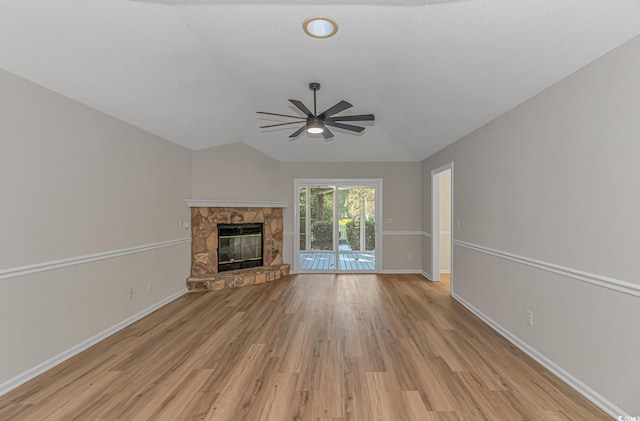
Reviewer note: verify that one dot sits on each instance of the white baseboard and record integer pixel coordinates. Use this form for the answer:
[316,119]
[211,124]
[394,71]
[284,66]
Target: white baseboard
[401,232]
[401,272]
[65,355]
[564,375]
[426,275]
[445,271]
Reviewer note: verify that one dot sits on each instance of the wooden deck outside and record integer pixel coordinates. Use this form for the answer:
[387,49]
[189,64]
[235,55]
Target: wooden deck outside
[348,261]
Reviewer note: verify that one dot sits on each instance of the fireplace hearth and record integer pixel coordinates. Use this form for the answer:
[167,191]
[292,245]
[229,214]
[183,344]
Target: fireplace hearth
[239,246]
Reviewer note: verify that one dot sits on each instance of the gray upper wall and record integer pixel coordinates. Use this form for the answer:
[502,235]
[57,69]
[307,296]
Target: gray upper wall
[556,178]
[76,181]
[239,172]
[234,171]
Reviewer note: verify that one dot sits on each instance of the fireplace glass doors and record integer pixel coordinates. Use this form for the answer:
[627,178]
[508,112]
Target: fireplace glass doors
[239,246]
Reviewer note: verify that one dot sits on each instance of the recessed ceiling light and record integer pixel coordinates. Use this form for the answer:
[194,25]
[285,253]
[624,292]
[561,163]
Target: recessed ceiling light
[320,27]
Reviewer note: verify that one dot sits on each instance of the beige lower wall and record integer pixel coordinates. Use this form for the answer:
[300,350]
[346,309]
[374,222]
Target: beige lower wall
[555,180]
[47,313]
[587,330]
[397,249]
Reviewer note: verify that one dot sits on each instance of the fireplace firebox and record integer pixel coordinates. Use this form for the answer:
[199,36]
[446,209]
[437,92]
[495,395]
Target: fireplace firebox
[239,246]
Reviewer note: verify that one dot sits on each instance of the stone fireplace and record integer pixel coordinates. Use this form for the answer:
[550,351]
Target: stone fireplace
[207,251]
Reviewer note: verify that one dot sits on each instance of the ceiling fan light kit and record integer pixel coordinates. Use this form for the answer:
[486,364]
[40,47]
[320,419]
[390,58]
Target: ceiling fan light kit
[317,123]
[315,126]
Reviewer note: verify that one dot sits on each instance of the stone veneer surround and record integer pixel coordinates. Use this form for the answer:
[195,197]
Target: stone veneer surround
[204,247]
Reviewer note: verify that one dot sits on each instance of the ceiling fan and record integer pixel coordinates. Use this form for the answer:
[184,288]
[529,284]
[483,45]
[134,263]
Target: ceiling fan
[317,123]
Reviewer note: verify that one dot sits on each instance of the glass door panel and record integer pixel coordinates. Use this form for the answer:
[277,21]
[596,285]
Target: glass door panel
[357,216]
[317,248]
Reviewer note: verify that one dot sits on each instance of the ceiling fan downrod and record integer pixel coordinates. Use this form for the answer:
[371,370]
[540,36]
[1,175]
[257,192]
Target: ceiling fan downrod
[314,86]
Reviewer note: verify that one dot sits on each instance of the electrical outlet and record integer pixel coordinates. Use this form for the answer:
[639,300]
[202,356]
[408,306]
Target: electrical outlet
[530,318]
[130,293]
[149,286]
[389,220]
[410,257]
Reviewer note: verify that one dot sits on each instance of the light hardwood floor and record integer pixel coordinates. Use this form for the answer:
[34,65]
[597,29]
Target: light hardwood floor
[313,347]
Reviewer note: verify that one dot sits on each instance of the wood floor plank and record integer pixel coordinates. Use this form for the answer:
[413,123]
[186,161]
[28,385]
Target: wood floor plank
[227,405]
[280,399]
[11,411]
[310,347]
[415,407]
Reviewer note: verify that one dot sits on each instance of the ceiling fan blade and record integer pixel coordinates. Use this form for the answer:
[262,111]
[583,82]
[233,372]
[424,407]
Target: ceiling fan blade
[301,107]
[339,107]
[281,124]
[328,136]
[298,132]
[281,115]
[361,117]
[344,126]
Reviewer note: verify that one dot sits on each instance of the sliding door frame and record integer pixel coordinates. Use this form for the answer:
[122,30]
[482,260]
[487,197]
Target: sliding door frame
[336,182]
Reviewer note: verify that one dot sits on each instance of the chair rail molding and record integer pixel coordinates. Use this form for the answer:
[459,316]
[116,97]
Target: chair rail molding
[591,278]
[57,264]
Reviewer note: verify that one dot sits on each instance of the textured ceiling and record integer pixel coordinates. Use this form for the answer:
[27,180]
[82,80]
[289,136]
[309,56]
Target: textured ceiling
[196,71]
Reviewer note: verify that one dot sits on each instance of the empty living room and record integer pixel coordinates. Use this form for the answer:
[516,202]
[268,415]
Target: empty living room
[327,210]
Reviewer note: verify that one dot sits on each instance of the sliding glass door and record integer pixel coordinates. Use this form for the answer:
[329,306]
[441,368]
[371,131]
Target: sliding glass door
[336,225]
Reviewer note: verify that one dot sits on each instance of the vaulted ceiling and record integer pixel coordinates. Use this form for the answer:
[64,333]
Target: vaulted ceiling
[196,71]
